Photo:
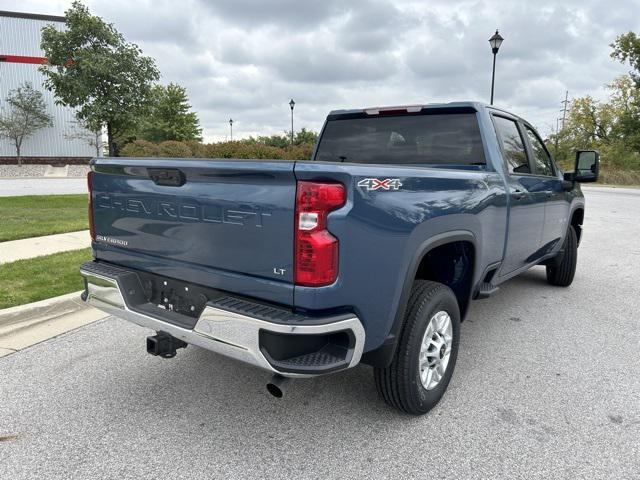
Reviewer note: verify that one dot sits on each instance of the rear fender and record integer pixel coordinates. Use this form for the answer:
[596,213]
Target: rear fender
[383,355]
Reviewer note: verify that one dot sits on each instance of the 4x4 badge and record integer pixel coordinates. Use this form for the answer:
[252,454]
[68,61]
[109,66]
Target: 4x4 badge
[377,184]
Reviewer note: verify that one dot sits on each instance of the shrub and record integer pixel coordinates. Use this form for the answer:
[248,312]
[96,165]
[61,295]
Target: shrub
[197,148]
[240,149]
[618,156]
[173,148]
[140,148]
[246,149]
[613,176]
[299,152]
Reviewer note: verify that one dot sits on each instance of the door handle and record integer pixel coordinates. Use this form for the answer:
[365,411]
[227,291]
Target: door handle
[517,194]
[550,193]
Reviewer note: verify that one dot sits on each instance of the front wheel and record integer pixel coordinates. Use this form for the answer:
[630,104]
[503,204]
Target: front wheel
[562,273]
[425,357]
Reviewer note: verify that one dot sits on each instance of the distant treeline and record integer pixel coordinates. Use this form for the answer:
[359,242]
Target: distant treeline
[611,126]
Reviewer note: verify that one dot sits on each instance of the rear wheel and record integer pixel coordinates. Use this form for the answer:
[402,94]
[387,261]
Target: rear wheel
[422,366]
[562,273]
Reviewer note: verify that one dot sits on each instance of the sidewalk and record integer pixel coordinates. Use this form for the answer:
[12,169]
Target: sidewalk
[10,187]
[38,246]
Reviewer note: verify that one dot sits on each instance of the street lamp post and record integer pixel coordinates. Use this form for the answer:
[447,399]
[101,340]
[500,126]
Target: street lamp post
[495,41]
[292,104]
[231,128]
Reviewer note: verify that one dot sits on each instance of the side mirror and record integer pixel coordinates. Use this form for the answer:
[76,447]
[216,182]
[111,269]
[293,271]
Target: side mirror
[587,166]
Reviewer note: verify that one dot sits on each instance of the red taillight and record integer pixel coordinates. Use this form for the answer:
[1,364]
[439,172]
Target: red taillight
[92,228]
[316,250]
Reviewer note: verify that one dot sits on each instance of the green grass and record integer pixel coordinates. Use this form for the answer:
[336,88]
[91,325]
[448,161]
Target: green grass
[37,215]
[27,281]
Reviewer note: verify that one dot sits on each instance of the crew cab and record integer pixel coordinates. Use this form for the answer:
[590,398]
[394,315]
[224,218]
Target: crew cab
[368,253]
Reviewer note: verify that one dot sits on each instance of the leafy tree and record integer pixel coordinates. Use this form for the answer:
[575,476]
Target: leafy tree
[92,68]
[27,114]
[625,102]
[611,126]
[626,48]
[591,121]
[278,141]
[80,130]
[169,116]
[304,136]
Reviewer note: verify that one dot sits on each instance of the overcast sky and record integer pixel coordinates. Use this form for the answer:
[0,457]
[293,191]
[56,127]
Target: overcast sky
[246,58]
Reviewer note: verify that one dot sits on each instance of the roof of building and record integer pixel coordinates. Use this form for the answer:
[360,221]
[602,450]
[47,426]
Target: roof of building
[32,16]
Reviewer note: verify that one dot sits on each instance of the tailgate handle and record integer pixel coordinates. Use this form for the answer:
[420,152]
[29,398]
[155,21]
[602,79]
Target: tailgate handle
[168,177]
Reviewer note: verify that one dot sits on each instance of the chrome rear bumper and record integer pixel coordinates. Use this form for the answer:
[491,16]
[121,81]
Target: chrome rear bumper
[222,331]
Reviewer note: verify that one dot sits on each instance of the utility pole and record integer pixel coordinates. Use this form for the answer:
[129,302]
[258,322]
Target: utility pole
[564,108]
[231,128]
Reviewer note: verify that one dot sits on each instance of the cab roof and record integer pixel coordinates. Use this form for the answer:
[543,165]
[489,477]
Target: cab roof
[466,106]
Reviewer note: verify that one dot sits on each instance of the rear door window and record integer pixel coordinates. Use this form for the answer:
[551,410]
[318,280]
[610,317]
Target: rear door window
[542,159]
[433,139]
[513,149]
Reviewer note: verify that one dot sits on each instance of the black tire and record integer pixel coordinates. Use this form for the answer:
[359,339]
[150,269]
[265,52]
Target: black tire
[562,273]
[400,384]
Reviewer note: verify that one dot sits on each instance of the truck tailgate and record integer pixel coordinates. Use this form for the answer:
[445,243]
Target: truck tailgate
[190,218]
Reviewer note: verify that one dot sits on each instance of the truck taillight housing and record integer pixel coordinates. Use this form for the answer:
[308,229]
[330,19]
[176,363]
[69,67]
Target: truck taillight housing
[92,228]
[316,250]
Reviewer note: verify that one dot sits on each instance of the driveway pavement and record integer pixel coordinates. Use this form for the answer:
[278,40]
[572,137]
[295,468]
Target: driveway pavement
[41,186]
[547,385]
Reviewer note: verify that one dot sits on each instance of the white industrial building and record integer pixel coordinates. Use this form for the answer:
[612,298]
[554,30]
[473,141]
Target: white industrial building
[20,57]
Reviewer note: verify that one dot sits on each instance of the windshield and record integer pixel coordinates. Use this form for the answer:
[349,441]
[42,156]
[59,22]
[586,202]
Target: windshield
[435,139]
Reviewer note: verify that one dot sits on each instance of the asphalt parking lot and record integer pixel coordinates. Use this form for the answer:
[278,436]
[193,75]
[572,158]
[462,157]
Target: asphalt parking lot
[547,385]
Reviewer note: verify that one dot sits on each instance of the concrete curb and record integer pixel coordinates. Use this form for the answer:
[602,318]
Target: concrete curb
[26,325]
[24,316]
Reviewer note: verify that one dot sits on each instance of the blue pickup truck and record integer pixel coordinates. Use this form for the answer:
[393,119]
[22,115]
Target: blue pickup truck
[369,253]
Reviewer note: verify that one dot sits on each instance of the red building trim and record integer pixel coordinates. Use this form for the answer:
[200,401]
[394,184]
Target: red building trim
[23,59]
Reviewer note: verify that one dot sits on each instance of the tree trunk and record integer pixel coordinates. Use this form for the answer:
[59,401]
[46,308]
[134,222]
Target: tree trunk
[112,145]
[18,155]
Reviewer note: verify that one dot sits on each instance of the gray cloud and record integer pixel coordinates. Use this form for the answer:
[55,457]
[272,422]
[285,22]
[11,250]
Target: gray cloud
[287,14]
[157,21]
[377,27]
[246,58]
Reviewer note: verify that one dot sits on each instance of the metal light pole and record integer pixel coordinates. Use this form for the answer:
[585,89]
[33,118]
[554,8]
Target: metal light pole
[231,128]
[292,104]
[495,41]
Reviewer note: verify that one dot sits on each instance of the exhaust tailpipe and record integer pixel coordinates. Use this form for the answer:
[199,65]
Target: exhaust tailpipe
[277,385]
